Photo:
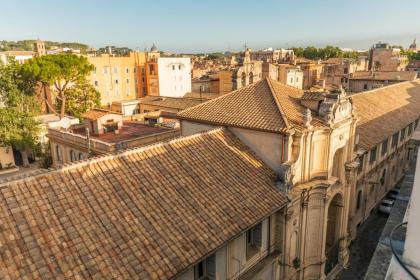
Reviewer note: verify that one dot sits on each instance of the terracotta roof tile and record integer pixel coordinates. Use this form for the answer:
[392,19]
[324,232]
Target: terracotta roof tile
[387,110]
[95,114]
[148,213]
[178,103]
[265,105]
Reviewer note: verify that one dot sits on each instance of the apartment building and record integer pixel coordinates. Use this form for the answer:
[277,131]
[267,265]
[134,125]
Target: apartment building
[383,57]
[290,75]
[337,71]
[117,77]
[368,80]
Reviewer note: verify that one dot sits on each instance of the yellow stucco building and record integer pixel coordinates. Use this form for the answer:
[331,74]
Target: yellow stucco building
[117,77]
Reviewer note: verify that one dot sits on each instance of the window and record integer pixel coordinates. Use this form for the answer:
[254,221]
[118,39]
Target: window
[362,157]
[127,91]
[416,123]
[173,67]
[373,155]
[72,156]
[384,147]
[179,67]
[253,240]
[127,80]
[402,137]
[127,71]
[59,153]
[206,269]
[359,200]
[346,70]
[94,70]
[395,140]
[365,86]
[410,129]
[297,79]
[382,180]
[80,156]
[116,81]
[105,70]
[117,92]
[110,126]
[96,83]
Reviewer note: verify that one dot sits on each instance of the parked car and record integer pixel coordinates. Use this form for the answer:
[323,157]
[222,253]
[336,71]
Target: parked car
[392,194]
[386,206]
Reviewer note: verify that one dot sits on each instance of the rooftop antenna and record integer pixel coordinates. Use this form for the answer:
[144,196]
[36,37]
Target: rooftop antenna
[245,46]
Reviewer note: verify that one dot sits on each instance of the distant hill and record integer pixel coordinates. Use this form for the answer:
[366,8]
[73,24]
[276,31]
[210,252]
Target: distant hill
[27,45]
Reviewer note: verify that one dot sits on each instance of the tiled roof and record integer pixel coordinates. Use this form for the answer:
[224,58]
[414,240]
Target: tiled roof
[266,105]
[383,76]
[95,114]
[387,110]
[177,103]
[147,213]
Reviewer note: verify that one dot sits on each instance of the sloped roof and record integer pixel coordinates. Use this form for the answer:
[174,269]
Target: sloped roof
[387,110]
[95,114]
[177,103]
[383,76]
[148,213]
[266,105]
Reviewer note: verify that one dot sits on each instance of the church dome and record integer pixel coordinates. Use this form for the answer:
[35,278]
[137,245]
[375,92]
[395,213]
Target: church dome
[154,48]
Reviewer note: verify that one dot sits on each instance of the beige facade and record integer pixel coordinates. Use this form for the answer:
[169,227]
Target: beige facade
[7,160]
[382,57]
[291,75]
[336,71]
[238,259]
[335,174]
[117,78]
[311,73]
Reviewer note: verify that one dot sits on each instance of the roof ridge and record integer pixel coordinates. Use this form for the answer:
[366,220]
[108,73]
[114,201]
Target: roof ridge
[100,158]
[214,99]
[279,106]
[385,87]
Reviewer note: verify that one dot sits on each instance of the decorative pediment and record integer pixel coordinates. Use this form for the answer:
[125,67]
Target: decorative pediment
[336,107]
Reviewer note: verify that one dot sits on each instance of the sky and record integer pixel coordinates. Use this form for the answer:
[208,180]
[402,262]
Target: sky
[212,25]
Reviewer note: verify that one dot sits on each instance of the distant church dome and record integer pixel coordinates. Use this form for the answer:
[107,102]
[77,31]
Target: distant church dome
[154,48]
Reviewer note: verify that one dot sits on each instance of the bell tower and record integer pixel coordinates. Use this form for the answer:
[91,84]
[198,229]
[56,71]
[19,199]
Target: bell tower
[39,47]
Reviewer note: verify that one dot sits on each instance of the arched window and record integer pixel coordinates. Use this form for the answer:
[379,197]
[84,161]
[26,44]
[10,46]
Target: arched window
[72,156]
[359,200]
[243,79]
[251,78]
[59,153]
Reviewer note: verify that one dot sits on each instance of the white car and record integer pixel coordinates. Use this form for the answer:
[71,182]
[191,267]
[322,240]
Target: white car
[386,206]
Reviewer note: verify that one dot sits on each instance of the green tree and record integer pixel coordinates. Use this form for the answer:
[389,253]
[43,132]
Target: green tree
[311,53]
[81,98]
[298,51]
[18,127]
[62,72]
[330,52]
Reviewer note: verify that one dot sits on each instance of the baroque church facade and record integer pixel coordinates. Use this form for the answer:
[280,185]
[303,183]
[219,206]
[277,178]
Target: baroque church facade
[326,160]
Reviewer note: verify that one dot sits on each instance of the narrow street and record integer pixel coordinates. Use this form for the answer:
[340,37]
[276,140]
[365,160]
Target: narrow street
[363,247]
